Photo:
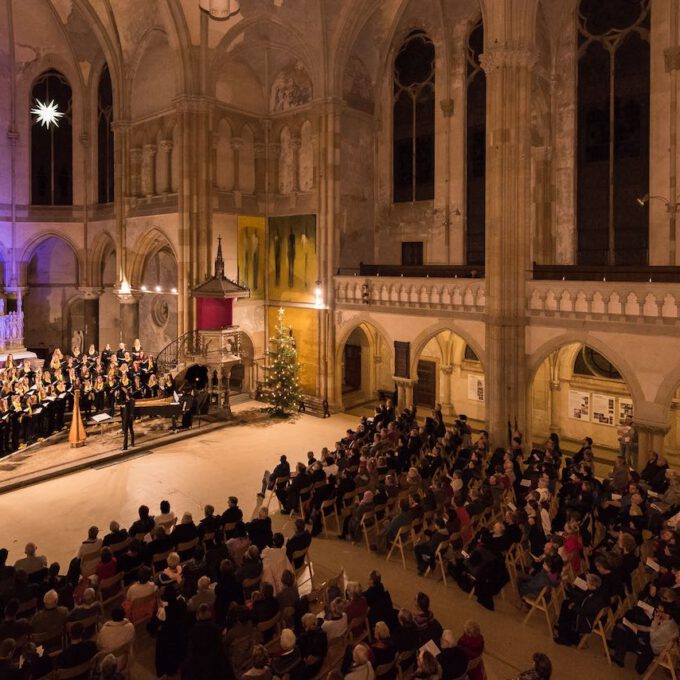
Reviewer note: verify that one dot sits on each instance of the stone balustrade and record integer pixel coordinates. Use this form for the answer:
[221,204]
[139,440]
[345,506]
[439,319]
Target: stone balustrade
[447,295]
[627,302]
[11,331]
[607,301]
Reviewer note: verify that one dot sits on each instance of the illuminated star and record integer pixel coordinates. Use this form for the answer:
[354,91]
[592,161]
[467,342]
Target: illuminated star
[47,114]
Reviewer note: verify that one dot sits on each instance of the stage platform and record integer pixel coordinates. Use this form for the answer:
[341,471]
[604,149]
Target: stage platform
[55,457]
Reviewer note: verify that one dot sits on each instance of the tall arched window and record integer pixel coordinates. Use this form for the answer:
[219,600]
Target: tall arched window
[475,166]
[52,146]
[613,131]
[105,136]
[413,120]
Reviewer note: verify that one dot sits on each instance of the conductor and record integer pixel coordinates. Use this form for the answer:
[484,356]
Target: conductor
[127,414]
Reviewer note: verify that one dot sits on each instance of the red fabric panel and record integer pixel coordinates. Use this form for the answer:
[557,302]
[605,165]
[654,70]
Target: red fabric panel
[213,314]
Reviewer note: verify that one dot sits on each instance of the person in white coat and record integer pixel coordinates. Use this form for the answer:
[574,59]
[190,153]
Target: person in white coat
[275,562]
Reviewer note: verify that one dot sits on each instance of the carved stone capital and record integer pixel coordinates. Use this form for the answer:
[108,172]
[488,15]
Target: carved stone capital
[136,154]
[165,145]
[236,143]
[495,57]
[149,150]
[90,292]
[260,150]
[275,150]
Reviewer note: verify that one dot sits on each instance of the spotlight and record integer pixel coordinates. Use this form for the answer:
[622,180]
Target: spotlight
[158,289]
[642,200]
[144,289]
[174,291]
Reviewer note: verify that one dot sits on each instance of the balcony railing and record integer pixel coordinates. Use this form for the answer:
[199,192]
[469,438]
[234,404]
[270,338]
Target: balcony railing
[633,272]
[424,271]
[462,295]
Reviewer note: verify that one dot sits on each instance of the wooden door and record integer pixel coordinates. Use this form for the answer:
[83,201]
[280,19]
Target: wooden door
[425,390]
[352,377]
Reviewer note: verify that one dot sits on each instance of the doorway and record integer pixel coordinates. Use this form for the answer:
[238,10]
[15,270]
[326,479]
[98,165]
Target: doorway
[425,390]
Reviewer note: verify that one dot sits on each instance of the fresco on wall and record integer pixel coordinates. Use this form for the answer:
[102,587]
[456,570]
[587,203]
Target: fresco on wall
[251,260]
[305,326]
[357,88]
[292,88]
[292,269]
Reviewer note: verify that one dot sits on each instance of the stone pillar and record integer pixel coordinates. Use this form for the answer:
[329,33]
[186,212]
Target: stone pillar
[447,406]
[165,162]
[650,438]
[90,298]
[214,141]
[274,153]
[148,170]
[260,167]
[404,392]
[129,318]
[236,145]
[295,144]
[136,171]
[509,38]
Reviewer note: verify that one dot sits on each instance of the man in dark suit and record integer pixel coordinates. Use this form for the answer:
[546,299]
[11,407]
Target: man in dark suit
[452,659]
[128,419]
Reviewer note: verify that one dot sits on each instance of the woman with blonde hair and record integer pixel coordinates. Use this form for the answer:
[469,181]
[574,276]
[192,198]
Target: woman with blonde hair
[383,651]
[472,643]
[173,572]
[335,623]
[313,644]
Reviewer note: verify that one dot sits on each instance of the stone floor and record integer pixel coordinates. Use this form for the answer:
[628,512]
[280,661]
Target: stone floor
[212,466]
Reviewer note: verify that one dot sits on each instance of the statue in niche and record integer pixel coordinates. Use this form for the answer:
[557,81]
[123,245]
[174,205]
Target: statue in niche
[77,341]
[277,258]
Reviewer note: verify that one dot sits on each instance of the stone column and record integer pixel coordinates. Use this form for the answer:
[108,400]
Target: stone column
[404,392]
[136,171]
[236,145]
[90,296]
[214,141]
[260,167]
[447,406]
[129,318]
[148,170]
[650,438]
[509,55]
[274,153]
[295,144]
[164,160]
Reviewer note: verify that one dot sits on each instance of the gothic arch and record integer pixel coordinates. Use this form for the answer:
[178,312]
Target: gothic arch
[32,245]
[536,359]
[420,342]
[99,248]
[147,246]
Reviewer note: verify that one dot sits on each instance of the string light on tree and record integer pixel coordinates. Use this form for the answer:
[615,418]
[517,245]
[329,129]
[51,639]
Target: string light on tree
[46,114]
[281,381]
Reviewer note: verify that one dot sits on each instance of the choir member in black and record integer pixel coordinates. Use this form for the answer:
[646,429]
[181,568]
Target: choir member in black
[99,394]
[168,385]
[188,406]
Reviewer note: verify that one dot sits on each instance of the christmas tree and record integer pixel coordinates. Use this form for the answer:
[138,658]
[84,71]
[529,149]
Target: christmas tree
[281,380]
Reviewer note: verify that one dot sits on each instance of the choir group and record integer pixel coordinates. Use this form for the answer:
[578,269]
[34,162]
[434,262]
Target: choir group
[34,400]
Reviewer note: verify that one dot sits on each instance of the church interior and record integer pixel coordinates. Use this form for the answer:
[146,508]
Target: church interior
[336,333]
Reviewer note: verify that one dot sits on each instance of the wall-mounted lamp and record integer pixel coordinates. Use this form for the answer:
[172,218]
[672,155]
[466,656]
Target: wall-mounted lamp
[318,296]
[670,207]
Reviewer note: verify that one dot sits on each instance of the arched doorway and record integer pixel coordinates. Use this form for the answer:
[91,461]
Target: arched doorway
[449,372]
[365,366]
[52,307]
[158,319]
[578,392]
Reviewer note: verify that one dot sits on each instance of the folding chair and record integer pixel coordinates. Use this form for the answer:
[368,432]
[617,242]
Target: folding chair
[142,609]
[667,659]
[306,564]
[305,497]
[358,629]
[120,547]
[159,561]
[328,510]
[540,603]
[279,485]
[186,549]
[439,561]
[369,523]
[600,628]
[111,589]
[53,644]
[90,625]
[398,542]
